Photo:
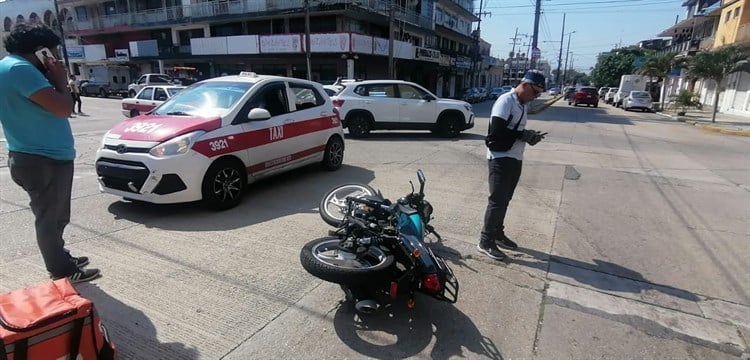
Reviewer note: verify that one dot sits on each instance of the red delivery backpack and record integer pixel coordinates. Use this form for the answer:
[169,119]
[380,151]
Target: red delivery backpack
[51,321]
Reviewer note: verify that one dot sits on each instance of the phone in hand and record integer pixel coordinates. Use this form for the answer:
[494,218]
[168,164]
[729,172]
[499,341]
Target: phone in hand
[44,54]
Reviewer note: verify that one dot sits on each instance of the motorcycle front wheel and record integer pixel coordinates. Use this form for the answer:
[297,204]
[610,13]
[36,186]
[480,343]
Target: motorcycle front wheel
[332,207]
[324,259]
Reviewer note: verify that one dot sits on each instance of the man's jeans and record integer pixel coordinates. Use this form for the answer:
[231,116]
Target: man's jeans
[48,183]
[503,178]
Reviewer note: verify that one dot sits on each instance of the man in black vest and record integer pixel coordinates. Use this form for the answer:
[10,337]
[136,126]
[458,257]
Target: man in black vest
[507,121]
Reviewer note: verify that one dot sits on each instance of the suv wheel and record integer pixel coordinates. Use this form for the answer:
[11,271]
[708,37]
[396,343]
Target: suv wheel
[448,126]
[359,125]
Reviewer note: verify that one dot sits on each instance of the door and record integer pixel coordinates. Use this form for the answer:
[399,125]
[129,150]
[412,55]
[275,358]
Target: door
[144,101]
[414,107]
[269,144]
[314,118]
[381,101]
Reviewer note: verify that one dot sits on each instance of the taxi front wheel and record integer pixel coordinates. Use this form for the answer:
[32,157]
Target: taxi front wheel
[223,184]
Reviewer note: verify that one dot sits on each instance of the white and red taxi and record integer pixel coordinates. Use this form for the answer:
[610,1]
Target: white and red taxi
[148,99]
[212,139]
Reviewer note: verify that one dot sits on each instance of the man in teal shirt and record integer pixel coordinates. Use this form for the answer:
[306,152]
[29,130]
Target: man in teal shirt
[35,104]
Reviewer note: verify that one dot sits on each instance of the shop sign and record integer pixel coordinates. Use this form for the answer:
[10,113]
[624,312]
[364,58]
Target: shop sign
[426,54]
[280,44]
[446,60]
[122,55]
[329,42]
[361,44]
[463,62]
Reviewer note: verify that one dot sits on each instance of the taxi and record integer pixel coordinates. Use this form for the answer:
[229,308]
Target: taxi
[211,140]
[148,99]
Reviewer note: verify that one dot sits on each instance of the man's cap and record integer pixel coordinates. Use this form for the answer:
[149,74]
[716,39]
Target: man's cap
[534,77]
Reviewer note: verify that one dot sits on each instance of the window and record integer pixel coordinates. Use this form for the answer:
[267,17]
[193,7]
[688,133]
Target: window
[146,94]
[379,90]
[410,92]
[306,96]
[81,13]
[160,94]
[728,13]
[7,24]
[736,12]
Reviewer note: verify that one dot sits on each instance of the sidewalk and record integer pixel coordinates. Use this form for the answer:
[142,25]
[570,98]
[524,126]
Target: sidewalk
[725,123]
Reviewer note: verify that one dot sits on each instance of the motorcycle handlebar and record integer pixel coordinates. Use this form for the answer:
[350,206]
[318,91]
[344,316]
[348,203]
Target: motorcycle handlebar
[371,203]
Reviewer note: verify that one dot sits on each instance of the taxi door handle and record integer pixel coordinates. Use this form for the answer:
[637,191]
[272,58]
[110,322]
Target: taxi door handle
[367,102]
[288,121]
[325,113]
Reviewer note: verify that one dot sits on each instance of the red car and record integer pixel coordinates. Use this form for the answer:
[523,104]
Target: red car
[585,95]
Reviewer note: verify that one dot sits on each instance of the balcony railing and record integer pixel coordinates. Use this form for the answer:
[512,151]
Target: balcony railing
[190,12]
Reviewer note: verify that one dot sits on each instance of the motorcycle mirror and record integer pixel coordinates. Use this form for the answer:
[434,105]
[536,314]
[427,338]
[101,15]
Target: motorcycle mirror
[420,176]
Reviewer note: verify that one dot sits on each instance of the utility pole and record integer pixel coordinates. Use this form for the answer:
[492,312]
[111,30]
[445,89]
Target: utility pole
[307,39]
[559,57]
[62,37]
[515,40]
[565,74]
[571,64]
[477,56]
[391,13]
[535,38]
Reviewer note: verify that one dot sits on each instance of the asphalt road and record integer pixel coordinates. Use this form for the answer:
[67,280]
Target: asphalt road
[632,229]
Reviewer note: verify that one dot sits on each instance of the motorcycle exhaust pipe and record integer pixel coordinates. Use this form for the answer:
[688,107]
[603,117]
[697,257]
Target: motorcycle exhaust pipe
[367,306]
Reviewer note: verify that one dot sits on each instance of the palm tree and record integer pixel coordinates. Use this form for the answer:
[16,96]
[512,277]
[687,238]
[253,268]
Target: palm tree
[717,65]
[657,66]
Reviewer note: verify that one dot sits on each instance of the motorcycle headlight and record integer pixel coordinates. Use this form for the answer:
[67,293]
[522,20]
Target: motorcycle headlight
[176,146]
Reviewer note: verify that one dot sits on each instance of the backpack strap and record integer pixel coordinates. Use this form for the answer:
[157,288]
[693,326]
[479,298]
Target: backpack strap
[75,337]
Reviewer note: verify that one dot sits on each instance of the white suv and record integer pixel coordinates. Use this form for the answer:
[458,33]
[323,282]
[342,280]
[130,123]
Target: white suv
[399,105]
[214,138]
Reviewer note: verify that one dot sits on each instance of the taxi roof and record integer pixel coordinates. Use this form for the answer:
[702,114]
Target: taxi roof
[250,77]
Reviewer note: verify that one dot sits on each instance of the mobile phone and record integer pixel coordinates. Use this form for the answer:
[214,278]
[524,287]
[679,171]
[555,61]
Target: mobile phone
[43,54]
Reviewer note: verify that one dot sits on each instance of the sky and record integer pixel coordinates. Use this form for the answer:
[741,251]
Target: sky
[599,26]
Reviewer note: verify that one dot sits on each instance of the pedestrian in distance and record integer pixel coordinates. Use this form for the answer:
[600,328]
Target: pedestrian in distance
[75,92]
[506,140]
[34,109]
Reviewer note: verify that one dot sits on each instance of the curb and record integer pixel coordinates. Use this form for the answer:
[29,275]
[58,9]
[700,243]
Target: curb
[710,127]
[544,105]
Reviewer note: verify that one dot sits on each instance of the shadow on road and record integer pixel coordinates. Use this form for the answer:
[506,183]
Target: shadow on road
[400,135]
[396,332]
[582,114]
[131,330]
[602,275]
[294,192]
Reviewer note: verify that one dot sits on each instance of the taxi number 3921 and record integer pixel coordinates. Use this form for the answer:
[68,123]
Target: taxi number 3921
[219,144]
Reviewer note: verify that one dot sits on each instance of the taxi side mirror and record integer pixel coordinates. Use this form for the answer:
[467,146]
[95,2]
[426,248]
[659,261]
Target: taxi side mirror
[258,114]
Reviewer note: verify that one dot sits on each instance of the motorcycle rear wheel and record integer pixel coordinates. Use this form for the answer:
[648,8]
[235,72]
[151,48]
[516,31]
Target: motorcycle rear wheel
[332,207]
[324,259]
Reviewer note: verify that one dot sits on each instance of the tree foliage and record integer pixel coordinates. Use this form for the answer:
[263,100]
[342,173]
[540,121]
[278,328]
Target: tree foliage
[717,65]
[611,67]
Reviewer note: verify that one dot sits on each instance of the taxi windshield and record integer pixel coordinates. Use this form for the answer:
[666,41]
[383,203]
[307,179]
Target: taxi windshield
[207,99]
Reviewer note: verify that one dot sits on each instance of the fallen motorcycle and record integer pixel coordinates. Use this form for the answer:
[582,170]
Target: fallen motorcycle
[377,252]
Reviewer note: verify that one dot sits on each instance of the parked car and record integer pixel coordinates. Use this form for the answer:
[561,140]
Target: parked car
[609,98]
[553,91]
[638,100]
[399,105]
[148,99]
[482,93]
[496,92]
[603,91]
[569,94]
[471,95]
[332,89]
[585,95]
[214,138]
[149,79]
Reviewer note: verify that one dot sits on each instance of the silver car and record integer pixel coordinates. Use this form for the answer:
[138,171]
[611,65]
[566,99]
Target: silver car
[638,100]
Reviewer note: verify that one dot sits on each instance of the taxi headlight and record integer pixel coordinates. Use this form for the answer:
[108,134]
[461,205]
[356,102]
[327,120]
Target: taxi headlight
[176,146]
[467,107]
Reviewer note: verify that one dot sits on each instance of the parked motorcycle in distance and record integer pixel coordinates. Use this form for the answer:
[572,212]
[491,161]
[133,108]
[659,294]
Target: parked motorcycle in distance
[377,252]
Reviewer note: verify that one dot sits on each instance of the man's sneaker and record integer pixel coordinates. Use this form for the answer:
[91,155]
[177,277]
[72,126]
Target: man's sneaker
[82,275]
[80,261]
[506,243]
[491,251]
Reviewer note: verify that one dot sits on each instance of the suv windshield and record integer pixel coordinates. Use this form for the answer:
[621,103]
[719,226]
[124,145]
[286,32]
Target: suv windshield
[205,99]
